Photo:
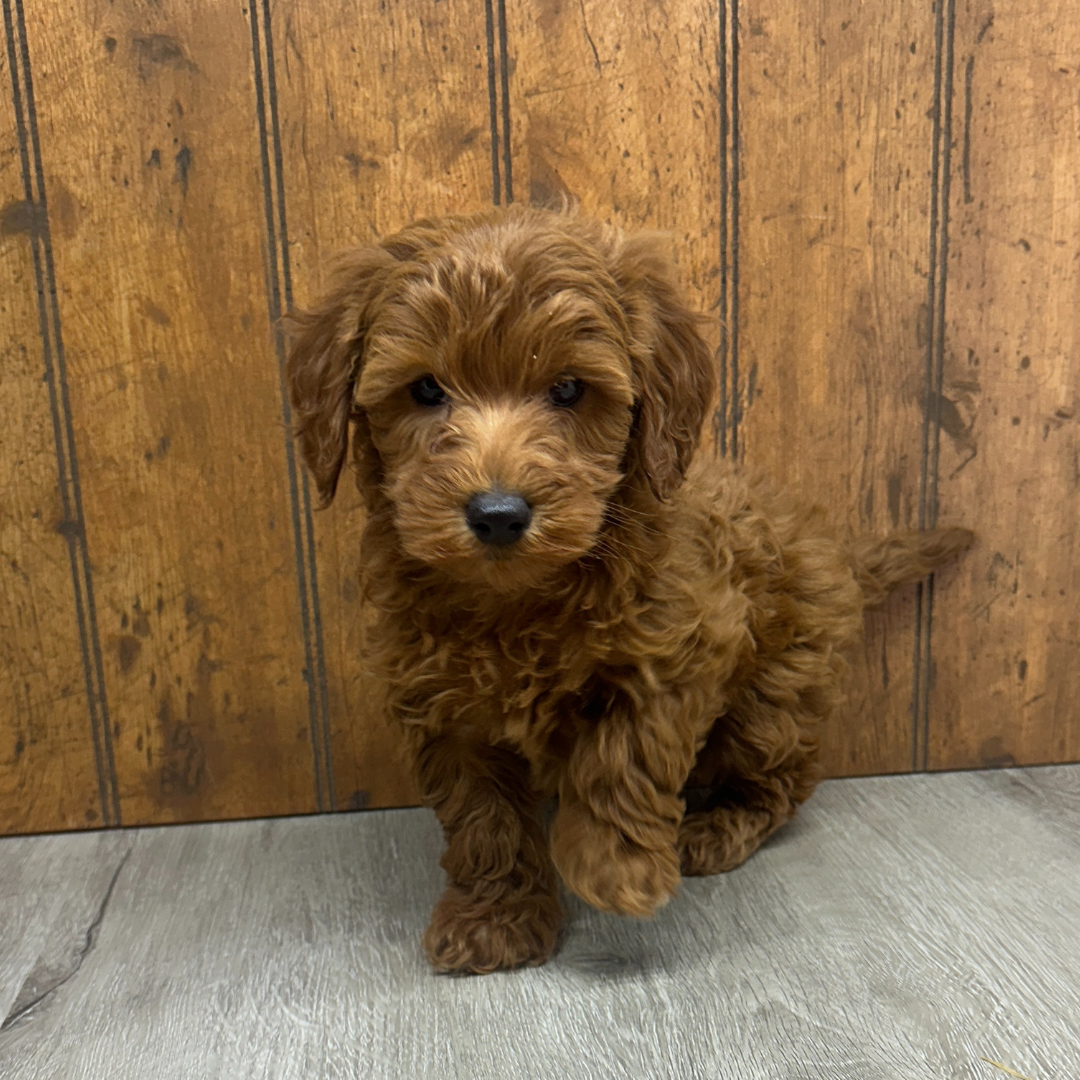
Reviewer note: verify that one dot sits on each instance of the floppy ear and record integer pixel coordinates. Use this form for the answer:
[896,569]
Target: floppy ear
[674,374]
[324,363]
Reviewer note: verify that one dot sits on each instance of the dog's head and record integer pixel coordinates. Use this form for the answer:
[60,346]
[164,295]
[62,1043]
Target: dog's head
[505,376]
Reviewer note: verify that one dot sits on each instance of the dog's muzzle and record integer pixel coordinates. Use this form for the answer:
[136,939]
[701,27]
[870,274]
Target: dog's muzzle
[498,519]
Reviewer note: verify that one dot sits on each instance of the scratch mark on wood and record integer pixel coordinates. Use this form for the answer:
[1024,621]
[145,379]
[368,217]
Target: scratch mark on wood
[588,36]
[969,75]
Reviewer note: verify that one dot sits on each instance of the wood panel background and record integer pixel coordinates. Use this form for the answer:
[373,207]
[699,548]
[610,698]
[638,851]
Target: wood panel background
[878,204]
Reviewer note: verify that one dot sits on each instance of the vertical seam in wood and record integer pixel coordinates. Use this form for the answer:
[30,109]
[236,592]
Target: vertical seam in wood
[937,278]
[305,489]
[729,409]
[493,104]
[720,419]
[943,263]
[277,278]
[736,401]
[73,526]
[504,70]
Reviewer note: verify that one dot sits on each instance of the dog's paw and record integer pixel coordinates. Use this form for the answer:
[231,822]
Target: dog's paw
[607,869]
[468,935]
[716,841]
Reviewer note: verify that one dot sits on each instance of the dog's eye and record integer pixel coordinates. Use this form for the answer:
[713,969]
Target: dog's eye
[566,392]
[427,391]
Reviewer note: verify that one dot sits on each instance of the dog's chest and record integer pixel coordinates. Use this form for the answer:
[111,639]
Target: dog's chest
[517,684]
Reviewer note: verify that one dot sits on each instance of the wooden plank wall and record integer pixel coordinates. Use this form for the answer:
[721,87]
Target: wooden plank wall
[878,203]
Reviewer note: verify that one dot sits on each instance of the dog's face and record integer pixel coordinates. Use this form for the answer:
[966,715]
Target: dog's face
[499,397]
[506,375]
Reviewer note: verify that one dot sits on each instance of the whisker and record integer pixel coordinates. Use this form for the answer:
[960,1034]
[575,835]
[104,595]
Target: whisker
[614,511]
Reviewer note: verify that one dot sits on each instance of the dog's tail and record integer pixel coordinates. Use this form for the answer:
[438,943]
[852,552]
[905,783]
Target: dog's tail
[882,563]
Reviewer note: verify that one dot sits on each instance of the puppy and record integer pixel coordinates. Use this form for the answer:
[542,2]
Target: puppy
[567,600]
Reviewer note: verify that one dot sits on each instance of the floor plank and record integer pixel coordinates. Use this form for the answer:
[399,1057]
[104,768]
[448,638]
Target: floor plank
[903,927]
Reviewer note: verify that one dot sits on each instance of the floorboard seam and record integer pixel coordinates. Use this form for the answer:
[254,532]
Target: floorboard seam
[88,946]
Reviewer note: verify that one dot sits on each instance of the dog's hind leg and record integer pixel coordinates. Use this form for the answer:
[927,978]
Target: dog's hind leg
[764,755]
[500,908]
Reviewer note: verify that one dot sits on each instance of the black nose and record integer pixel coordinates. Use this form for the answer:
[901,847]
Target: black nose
[498,519]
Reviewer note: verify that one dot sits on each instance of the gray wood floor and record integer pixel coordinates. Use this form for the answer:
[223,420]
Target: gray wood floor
[900,928]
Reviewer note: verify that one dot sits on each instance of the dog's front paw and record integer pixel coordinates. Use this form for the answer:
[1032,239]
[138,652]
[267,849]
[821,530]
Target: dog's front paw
[607,869]
[475,935]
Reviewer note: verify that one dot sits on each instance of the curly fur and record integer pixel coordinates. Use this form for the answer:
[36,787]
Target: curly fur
[667,622]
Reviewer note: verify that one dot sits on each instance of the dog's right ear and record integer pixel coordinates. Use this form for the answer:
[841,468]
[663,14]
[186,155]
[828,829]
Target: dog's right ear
[325,357]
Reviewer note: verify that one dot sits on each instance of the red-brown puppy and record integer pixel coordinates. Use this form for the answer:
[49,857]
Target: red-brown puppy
[567,599]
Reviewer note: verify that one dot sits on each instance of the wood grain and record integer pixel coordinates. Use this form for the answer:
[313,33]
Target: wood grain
[384,119]
[892,932]
[835,198]
[48,774]
[43,943]
[1007,645]
[877,206]
[616,105]
[174,392]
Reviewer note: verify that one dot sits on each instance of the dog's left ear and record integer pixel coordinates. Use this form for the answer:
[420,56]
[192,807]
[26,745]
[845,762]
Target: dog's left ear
[324,363]
[674,374]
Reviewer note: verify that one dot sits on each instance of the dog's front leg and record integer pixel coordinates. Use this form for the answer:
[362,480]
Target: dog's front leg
[614,839]
[500,908]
